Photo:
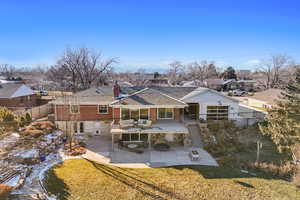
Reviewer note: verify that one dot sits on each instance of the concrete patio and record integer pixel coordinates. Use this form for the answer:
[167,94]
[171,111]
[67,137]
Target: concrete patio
[99,150]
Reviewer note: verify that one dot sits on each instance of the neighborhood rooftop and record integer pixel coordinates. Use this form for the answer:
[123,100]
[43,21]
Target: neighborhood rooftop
[149,97]
[11,90]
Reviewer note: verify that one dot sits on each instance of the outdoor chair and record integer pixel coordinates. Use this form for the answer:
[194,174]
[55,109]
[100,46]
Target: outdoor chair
[143,123]
[127,123]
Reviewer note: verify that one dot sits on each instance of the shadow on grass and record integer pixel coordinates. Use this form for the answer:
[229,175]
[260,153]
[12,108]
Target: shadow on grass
[139,184]
[55,185]
[244,184]
[210,172]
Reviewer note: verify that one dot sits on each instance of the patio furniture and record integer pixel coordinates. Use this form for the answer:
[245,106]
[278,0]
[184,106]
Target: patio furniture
[162,147]
[132,146]
[144,123]
[194,155]
[127,123]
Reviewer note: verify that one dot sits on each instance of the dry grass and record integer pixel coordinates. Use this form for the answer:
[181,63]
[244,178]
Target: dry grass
[5,191]
[84,180]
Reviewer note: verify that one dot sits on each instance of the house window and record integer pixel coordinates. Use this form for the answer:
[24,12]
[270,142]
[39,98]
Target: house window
[144,114]
[103,109]
[134,114]
[165,113]
[74,109]
[125,114]
[75,127]
[217,112]
[81,127]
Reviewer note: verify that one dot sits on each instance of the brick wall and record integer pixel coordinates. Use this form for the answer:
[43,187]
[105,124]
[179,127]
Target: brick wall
[153,114]
[87,113]
[177,114]
[116,114]
[90,113]
[20,102]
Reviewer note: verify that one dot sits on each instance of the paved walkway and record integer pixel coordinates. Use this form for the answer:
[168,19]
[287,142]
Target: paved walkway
[195,135]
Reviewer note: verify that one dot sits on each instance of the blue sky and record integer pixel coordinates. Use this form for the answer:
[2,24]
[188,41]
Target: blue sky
[150,33]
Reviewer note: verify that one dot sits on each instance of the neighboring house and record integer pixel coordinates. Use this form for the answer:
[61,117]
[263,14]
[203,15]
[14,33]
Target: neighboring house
[17,96]
[194,83]
[216,84]
[230,84]
[158,110]
[4,80]
[247,85]
[162,82]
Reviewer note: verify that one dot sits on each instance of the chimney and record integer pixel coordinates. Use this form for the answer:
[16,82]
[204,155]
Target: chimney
[116,89]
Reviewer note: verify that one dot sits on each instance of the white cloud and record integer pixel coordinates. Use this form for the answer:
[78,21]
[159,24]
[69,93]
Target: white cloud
[253,62]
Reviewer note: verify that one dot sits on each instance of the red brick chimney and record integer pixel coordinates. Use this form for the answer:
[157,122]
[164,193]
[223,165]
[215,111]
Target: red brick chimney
[116,89]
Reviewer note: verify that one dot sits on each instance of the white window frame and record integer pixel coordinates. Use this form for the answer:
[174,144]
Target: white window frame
[165,118]
[107,110]
[135,109]
[218,117]
[71,109]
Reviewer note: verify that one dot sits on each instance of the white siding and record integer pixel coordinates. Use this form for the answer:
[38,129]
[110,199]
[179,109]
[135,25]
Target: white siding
[209,98]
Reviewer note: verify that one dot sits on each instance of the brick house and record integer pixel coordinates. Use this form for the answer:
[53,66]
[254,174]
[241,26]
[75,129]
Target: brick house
[17,96]
[140,113]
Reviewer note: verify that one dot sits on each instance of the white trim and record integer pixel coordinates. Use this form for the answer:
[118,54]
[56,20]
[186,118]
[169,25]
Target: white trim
[55,111]
[139,113]
[147,106]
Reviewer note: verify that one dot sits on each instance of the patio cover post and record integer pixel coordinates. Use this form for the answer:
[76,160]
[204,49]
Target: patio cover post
[112,142]
[149,140]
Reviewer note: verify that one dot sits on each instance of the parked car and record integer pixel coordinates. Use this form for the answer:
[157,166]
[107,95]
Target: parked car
[238,92]
[43,93]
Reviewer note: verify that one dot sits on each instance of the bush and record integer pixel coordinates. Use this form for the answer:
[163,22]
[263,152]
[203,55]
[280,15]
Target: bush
[286,170]
[28,118]
[296,177]
[5,191]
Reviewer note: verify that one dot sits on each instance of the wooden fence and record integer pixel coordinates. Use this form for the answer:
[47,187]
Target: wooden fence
[36,112]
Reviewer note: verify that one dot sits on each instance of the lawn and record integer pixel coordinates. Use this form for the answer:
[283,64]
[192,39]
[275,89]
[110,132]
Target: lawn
[85,180]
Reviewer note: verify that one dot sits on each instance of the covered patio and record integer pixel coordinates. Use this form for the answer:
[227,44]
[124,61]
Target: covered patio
[168,128]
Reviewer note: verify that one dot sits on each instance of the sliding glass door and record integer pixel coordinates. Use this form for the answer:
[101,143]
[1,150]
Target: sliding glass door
[136,114]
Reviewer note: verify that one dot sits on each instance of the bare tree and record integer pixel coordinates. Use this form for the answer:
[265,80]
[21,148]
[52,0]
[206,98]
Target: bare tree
[79,69]
[176,72]
[274,69]
[201,71]
[8,70]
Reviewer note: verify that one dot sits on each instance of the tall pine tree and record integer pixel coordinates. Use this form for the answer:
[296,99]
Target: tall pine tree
[283,120]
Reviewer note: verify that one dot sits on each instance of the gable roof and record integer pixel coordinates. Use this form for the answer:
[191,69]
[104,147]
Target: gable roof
[202,90]
[12,90]
[100,95]
[139,95]
[149,97]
